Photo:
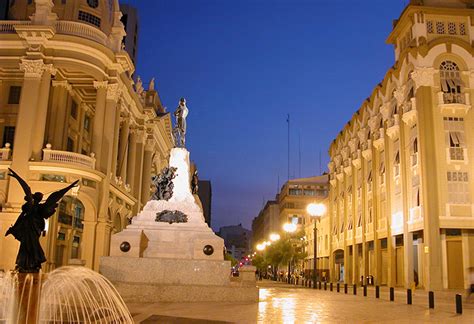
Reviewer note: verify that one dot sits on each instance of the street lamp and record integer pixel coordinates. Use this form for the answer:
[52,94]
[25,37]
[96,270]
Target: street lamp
[316,211]
[274,237]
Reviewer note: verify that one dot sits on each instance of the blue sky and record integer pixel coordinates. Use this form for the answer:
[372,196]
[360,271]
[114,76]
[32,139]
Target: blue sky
[244,65]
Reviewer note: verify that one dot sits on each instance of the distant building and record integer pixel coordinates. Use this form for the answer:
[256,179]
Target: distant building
[267,222]
[236,240]
[130,23]
[205,195]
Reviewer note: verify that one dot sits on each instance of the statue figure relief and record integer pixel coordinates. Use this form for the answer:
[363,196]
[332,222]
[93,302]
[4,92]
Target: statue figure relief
[31,223]
[179,130]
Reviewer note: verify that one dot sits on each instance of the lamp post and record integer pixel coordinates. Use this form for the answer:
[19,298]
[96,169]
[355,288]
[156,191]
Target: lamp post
[289,228]
[316,211]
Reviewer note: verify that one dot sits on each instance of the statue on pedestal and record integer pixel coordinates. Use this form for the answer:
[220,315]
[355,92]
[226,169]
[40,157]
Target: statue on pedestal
[179,130]
[31,223]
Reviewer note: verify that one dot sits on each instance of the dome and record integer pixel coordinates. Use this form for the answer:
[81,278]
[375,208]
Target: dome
[97,13]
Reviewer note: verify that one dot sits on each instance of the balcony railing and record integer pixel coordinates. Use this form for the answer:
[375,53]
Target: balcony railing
[82,30]
[62,27]
[8,26]
[452,98]
[66,157]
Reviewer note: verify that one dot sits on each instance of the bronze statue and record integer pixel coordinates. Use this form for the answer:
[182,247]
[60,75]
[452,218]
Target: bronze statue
[163,183]
[179,130]
[31,223]
[195,183]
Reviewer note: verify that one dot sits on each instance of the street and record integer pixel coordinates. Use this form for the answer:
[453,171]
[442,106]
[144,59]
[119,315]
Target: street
[282,303]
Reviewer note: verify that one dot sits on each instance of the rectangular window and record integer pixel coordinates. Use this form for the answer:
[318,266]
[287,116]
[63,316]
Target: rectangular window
[309,192]
[295,192]
[462,29]
[440,27]
[429,27]
[8,135]
[74,110]
[70,145]
[454,136]
[87,123]
[14,95]
[451,28]
[458,188]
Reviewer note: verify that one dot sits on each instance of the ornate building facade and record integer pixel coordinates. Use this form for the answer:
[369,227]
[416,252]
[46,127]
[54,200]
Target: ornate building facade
[70,110]
[401,202]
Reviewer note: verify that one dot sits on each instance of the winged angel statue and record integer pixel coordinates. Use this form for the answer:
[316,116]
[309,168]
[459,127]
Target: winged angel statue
[31,223]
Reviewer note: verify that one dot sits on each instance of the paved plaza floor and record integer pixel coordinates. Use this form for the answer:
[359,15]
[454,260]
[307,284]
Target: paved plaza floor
[282,303]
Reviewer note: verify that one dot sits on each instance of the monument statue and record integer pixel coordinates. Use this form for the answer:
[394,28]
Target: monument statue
[179,130]
[195,183]
[164,184]
[31,223]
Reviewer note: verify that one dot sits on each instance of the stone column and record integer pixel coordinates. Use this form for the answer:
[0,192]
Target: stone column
[131,158]
[116,142]
[146,178]
[136,186]
[102,242]
[26,120]
[99,116]
[122,153]
[57,118]
[42,112]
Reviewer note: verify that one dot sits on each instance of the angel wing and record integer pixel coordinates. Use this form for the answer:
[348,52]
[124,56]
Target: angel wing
[23,184]
[49,206]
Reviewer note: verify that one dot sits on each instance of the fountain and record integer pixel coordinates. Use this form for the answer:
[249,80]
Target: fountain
[67,295]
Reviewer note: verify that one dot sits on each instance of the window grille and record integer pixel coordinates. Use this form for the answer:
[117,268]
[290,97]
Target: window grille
[451,28]
[440,27]
[458,188]
[89,18]
[429,27]
[462,29]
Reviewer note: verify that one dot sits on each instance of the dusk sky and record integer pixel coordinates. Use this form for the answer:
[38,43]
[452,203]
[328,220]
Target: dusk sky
[244,65]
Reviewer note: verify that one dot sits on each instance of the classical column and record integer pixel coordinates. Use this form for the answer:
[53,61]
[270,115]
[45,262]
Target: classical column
[102,242]
[99,116]
[42,112]
[116,142]
[57,118]
[136,185]
[122,153]
[131,159]
[26,119]
[146,178]
[113,95]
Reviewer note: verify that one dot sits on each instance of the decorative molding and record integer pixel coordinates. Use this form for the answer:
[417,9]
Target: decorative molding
[100,84]
[385,111]
[374,123]
[423,77]
[353,142]
[399,94]
[114,91]
[32,68]
[63,84]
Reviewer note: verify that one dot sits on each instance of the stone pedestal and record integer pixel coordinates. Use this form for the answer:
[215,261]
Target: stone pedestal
[153,261]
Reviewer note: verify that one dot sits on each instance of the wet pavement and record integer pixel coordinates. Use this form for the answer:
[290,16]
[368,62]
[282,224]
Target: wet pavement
[282,303]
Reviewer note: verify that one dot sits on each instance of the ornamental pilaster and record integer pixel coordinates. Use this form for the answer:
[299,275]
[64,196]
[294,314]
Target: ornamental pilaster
[62,84]
[374,123]
[423,77]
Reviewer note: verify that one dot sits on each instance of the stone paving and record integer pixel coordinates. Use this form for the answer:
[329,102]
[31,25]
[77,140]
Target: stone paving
[282,303]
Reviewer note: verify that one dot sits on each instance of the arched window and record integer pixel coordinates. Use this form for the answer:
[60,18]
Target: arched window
[93,3]
[451,82]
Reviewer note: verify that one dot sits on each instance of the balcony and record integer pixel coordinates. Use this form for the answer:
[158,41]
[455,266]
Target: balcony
[82,30]
[65,27]
[454,102]
[50,155]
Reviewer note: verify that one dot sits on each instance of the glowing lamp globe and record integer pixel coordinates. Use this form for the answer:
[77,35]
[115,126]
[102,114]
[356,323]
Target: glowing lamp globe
[316,209]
